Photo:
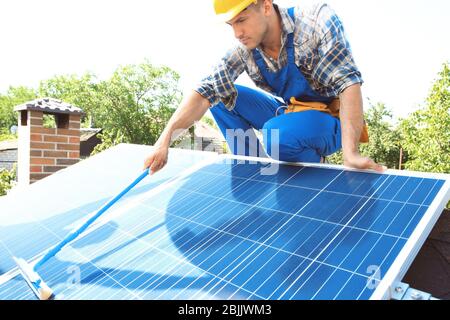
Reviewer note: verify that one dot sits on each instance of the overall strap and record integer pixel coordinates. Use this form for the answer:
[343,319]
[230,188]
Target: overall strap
[291,13]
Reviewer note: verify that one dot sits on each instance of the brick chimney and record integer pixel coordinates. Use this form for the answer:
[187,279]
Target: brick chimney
[43,151]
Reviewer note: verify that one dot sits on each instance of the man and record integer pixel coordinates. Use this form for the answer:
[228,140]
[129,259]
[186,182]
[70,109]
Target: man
[301,57]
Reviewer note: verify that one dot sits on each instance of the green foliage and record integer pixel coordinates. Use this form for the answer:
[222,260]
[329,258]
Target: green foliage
[4,135]
[7,180]
[137,103]
[13,97]
[426,132]
[133,106]
[336,158]
[210,122]
[81,91]
[384,138]
[49,121]
[109,139]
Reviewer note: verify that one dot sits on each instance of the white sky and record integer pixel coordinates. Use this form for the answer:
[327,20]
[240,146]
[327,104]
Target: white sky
[399,45]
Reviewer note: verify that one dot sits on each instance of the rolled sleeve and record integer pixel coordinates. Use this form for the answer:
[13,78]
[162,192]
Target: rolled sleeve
[336,68]
[206,90]
[219,85]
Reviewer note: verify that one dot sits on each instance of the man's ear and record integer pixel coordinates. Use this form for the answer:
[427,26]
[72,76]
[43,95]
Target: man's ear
[267,7]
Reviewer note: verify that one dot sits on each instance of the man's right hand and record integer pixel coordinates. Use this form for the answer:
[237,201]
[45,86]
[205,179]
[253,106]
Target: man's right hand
[157,159]
[192,108]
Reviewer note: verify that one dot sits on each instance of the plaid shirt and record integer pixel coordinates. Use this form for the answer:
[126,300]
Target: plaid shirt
[322,53]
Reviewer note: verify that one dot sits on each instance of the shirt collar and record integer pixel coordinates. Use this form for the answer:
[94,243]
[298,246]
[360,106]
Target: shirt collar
[287,24]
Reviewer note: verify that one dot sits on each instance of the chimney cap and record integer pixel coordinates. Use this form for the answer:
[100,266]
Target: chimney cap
[50,105]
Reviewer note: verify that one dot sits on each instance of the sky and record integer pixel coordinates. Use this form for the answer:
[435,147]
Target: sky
[398,45]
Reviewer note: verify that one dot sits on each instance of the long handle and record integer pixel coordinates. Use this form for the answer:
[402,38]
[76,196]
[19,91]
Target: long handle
[52,252]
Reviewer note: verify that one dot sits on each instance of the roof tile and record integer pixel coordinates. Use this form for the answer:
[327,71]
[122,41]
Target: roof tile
[49,105]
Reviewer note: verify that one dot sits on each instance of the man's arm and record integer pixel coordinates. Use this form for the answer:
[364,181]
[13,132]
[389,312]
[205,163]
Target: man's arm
[337,71]
[217,87]
[352,120]
[191,109]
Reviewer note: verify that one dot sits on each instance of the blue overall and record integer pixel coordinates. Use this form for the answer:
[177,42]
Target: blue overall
[303,136]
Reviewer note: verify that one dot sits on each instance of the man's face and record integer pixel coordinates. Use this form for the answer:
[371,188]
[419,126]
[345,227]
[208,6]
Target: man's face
[250,26]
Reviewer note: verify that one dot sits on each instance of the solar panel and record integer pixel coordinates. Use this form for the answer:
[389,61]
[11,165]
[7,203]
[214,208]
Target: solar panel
[226,230]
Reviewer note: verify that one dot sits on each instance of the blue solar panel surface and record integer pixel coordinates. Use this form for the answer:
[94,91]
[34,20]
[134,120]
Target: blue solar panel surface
[228,232]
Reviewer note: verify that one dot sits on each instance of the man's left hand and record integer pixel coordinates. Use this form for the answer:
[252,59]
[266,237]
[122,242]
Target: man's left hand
[359,162]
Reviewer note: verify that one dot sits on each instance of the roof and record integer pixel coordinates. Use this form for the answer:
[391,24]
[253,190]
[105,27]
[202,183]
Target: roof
[205,131]
[49,105]
[87,133]
[8,145]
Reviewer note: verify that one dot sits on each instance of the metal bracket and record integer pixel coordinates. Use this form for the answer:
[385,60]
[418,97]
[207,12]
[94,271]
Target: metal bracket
[402,291]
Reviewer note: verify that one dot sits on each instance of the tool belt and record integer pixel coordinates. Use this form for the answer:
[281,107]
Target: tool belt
[332,109]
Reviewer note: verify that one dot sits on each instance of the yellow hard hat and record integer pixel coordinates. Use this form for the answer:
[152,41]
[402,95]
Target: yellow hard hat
[228,9]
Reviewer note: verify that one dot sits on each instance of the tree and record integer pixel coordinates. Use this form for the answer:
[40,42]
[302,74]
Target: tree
[8,117]
[137,102]
[7,180]
[426,132]
[80,91]
[384,144]
[133,106]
